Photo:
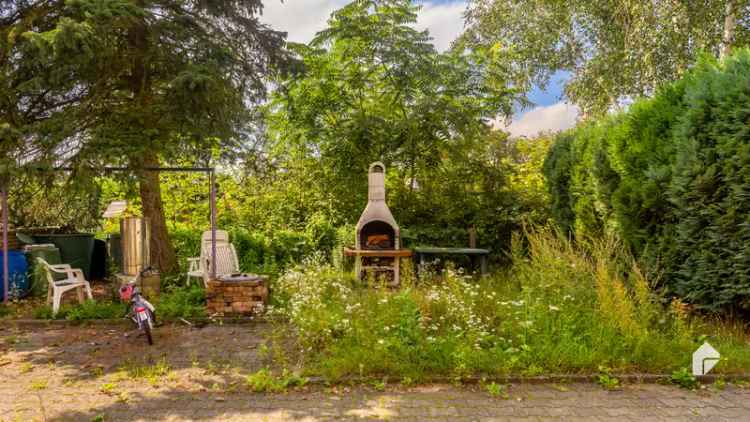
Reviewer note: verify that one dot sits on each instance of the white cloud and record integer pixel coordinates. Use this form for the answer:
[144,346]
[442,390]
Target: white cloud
[301,19]
[550,118]
[444,21]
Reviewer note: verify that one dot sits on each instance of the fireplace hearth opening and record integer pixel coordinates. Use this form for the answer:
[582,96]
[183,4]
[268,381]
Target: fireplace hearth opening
[377,235]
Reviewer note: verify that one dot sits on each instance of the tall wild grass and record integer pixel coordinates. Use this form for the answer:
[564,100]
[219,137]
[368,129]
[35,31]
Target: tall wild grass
[561,308]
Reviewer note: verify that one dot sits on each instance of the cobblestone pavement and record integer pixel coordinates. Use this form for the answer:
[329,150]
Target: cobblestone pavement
[98,374]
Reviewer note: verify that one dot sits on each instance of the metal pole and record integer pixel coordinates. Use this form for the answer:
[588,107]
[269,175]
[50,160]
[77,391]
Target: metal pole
[5,243]
[212,179]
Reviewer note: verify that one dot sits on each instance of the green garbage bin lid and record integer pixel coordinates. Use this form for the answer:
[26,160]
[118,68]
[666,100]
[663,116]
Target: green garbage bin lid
[25,238]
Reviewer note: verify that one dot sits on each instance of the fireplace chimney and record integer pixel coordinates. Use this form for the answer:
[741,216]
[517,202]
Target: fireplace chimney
[376,219]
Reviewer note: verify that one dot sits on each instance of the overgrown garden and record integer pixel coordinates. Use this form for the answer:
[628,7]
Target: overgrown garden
[617,246]
[560,308]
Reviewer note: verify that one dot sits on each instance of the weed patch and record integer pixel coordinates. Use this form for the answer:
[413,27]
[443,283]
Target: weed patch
[108,388]
[264,381]
[85,311]
[685,379]
[497,390]
[26,367]
[151,373]
[379,385]
[39,385]
[608,382]
[186,302]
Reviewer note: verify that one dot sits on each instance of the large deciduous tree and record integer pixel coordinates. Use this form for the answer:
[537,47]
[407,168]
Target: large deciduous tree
[151,81]
[614,49]
[374,88]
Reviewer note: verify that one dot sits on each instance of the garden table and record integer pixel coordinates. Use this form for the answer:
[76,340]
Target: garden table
[422,253]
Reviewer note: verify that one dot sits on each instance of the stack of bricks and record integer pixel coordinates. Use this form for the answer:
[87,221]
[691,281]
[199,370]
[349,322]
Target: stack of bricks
[243,297]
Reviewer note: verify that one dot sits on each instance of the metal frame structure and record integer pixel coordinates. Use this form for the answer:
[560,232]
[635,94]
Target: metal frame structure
[212,182]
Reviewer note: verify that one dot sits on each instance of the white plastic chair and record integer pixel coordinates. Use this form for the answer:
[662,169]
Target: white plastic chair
[226,258]
[226,262]
[74,279]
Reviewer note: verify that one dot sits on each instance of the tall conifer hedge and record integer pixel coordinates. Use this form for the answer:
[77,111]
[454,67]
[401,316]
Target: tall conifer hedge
[671,177]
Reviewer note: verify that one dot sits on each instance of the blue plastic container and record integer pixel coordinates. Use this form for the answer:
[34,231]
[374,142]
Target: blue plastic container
[18,282]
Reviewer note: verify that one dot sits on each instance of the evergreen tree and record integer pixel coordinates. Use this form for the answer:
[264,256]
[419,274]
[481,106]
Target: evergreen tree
[135,83]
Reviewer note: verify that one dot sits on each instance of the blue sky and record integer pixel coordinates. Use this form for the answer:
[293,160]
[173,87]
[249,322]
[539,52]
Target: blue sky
[549,96]
[444,19]
[552,94]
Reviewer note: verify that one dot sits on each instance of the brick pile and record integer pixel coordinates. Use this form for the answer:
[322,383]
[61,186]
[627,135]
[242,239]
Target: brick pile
[237,298]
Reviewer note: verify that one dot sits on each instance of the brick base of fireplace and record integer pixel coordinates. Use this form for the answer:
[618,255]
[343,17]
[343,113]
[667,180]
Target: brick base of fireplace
[244,297]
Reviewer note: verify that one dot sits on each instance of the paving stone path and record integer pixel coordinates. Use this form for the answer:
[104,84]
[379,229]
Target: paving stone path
[99,374]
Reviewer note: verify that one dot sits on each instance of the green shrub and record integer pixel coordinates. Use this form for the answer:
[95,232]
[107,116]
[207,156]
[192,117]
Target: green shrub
[264,381]
[45,312]
[669,176]
[257,251]
[685,379]
[558,172]
[320,233]
[96,310]
[345,237]
[185,302]
[88,310]
[187,244]
[708,245]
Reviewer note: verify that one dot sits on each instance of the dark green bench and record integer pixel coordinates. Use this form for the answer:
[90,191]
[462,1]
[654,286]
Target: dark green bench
[422,253]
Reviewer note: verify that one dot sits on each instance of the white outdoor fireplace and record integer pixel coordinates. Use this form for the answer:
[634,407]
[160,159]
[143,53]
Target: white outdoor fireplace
[378,237]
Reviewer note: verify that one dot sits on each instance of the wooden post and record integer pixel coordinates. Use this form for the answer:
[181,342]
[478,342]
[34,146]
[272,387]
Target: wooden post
[5,242]
[212,179]
[472,237]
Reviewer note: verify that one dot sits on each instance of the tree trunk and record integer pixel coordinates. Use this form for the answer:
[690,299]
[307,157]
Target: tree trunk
[162,252]
[730,22]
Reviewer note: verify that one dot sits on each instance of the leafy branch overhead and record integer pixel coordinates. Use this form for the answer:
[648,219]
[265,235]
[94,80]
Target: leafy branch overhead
[613,50]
